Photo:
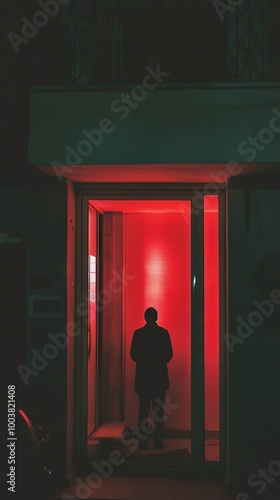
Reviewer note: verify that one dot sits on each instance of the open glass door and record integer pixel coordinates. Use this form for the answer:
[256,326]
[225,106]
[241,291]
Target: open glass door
[163,254]
[92,322]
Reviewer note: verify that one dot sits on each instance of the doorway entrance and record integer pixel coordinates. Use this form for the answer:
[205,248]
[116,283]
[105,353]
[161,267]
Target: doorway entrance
[164,251]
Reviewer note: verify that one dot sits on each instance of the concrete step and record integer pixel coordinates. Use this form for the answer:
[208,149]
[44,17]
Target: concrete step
[109,430]
[105,439]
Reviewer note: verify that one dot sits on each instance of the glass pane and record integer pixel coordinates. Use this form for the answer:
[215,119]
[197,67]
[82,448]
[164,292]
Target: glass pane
[211,328]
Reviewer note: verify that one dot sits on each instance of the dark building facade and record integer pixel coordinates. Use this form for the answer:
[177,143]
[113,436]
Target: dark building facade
[137,114]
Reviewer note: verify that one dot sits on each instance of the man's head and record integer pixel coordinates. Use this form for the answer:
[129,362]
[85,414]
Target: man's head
[150,315]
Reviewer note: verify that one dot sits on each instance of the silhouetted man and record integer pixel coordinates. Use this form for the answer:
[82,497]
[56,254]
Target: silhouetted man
[151,349]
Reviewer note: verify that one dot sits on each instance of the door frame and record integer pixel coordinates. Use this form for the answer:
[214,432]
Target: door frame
[97,314]
[160,191]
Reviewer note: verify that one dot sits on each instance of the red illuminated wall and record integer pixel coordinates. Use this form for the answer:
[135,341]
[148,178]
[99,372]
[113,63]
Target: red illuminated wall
[158,274]
[211,312]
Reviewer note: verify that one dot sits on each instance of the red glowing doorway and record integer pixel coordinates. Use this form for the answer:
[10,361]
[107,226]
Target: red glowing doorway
[150,241]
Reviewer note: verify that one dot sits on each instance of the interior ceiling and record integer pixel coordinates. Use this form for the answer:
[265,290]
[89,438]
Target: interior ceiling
[144,206]
[157,172]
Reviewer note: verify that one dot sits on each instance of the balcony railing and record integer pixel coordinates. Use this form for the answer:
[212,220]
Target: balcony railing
[112,41]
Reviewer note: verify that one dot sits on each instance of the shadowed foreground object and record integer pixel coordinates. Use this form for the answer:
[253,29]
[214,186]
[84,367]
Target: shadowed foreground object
[33,478]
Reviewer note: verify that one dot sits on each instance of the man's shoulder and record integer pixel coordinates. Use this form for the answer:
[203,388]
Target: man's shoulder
[163,330]
[139,330]
[147,328]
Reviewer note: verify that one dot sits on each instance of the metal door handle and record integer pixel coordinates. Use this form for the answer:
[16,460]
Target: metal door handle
[89,342]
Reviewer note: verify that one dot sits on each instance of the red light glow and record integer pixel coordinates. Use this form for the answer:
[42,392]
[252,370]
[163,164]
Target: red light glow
[157,272]
[158,256]
[92,246]
[211,314]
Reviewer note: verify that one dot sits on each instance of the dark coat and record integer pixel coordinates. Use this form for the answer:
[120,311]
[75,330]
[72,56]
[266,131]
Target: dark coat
[151,349]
